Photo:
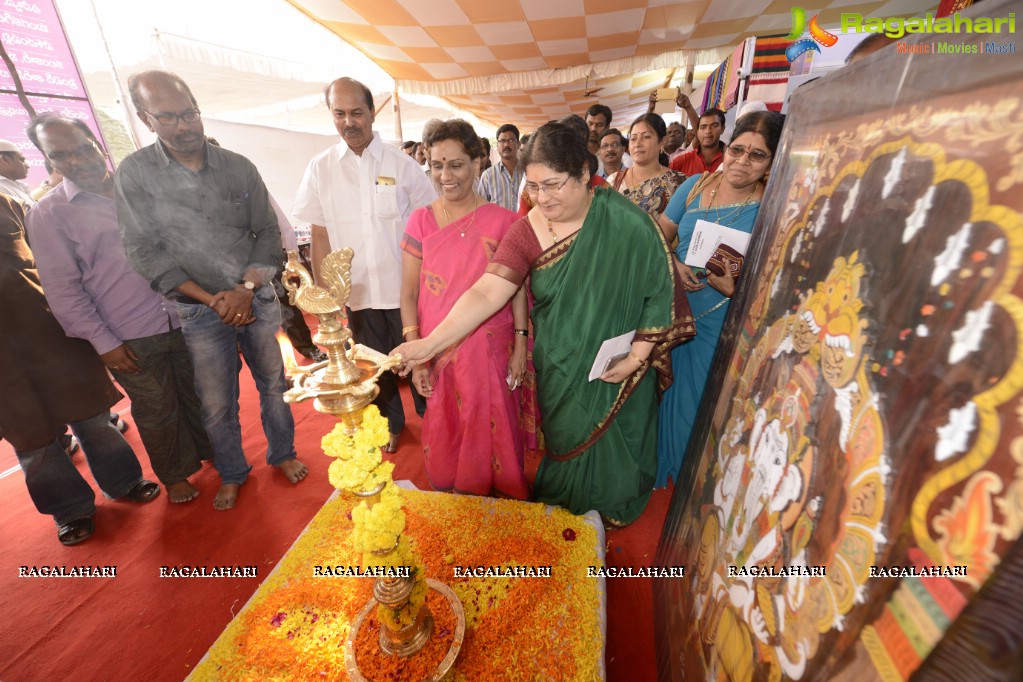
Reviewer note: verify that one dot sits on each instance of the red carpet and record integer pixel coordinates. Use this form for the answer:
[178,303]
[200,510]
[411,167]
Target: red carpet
[140,626]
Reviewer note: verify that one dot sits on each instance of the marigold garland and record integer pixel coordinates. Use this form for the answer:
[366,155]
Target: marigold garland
[371,435]
[377,528]
[358,467]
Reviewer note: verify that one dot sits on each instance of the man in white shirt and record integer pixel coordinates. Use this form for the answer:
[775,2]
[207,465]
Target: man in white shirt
[13,170]
[359,193]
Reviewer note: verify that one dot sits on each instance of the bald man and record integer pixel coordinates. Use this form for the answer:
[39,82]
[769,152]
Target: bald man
[197,223]
[359,193]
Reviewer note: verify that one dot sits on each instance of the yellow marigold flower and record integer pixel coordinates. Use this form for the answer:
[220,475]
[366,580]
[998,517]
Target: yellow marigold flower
[364,541]
[382,474]
[371,439]
[337,443]
[366,461]
[377,528]
[396,619]
[345,477]
[419,589]
[390,492]
[372,420]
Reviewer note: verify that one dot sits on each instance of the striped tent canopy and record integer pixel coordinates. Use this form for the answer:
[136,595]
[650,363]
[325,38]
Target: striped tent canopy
[527,61]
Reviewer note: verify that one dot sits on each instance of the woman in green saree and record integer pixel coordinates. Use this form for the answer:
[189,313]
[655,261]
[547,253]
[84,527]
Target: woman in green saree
[597,267]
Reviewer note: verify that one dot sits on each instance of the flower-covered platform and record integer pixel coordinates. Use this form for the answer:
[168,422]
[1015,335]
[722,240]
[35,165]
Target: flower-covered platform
[296,624]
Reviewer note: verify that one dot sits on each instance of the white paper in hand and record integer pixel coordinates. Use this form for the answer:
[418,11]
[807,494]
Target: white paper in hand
[707,236]
[615,346]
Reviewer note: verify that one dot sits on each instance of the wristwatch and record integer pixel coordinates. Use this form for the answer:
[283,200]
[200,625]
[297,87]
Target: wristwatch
[251,286]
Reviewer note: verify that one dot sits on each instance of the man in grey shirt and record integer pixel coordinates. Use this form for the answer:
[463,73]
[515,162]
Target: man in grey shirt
[196,222]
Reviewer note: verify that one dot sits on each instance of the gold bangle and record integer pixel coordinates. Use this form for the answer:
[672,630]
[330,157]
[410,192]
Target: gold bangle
[637,359]
[410,328]
[522,332]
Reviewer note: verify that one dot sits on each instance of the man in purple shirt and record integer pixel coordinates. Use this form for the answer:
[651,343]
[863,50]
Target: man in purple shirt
[97,296]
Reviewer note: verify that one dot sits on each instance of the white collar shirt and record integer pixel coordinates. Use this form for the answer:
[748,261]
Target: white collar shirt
[364,203]
[16,189]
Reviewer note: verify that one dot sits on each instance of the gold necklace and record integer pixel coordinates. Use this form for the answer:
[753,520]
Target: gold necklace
[447,216]
[550,228]
[637,182]
[550,225]
[736,211]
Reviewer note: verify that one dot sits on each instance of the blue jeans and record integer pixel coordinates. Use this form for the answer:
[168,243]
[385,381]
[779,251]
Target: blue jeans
[59,490]
[213,346]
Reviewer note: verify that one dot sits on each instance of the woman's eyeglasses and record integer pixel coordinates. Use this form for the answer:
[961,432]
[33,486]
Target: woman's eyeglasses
[549,188]
[755,155]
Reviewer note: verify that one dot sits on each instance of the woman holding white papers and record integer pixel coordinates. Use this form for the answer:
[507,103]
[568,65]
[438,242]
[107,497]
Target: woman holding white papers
[598,268]
[728,198]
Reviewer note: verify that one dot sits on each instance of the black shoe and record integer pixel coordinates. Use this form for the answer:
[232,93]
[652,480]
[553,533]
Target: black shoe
[314,354]
[69,443]
[143,491]
[121,425]
[74,532]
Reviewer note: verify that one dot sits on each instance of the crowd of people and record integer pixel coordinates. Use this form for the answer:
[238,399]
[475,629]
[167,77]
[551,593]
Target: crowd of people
[607,442]
[497,283]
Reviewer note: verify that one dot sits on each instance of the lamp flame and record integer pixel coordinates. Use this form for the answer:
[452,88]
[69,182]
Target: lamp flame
[287,353]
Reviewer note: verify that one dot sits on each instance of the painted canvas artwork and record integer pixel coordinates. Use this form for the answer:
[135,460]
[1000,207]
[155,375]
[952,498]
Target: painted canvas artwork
[858,474]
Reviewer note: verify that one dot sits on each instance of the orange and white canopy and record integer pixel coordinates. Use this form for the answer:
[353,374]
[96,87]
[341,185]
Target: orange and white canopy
[527,61]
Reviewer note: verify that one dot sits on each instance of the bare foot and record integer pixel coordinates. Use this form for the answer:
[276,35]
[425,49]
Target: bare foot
[293,469]
[182,492]
[226,496]
[392,444]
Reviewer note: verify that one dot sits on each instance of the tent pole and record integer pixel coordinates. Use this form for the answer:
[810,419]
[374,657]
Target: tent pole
[128,113]
[396,107]
[744,72]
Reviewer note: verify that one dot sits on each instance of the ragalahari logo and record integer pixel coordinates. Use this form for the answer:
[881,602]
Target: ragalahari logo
[817,35]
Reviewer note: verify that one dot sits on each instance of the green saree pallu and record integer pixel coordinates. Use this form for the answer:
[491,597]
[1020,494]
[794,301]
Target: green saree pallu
[613,276]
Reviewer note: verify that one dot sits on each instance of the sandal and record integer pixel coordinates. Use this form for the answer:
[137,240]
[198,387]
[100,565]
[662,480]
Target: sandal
[143,491]
[612,523]
[75,532]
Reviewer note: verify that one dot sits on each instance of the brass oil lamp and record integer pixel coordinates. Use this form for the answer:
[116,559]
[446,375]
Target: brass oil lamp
[344,385]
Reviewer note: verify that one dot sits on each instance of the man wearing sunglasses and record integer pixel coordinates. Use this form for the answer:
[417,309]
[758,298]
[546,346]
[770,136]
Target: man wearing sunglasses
[196,222]
[709,150]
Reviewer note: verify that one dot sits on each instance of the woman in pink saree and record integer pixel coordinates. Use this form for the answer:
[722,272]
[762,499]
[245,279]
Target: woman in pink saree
[472,440]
